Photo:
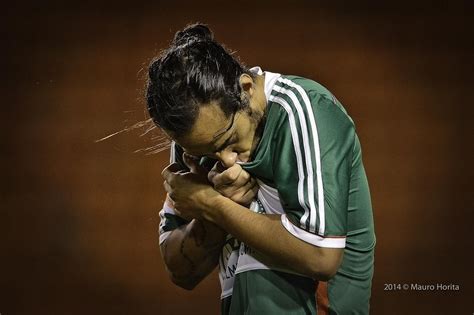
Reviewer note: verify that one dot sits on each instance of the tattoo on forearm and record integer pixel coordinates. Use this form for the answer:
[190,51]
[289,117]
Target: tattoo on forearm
[197,235]
[200,237]
[165,246]
[192,265]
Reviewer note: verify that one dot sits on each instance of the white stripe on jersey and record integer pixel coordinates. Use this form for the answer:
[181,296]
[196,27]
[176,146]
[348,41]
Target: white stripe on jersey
[296,144]
[307,155]
[317,152]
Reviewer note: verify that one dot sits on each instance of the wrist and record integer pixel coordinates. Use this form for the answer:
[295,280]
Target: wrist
[206,235]
[214,233]
[216,211]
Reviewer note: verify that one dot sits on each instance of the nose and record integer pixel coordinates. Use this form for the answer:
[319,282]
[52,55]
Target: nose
[227,158]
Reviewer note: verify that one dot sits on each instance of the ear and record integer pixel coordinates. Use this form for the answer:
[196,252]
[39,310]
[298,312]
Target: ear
[247,84]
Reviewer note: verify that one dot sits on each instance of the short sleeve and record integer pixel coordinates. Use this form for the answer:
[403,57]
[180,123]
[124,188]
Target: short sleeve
[312,165]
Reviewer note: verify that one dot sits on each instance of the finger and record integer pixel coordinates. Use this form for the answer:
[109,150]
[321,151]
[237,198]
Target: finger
[250,195]
[254,190]
[191,161]
[229,176]
[215,170]
[245,197]
[220,167]
[243,179]
[168,189]
[170,170]
[210,176]
[169,201]
[235,192]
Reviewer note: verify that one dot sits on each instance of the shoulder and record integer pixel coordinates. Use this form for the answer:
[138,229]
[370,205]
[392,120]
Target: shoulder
[300,91]
[308,90]
[309,86]
[306,99]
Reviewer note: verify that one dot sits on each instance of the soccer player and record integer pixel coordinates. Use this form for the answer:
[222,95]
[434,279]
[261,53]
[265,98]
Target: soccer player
[266,180]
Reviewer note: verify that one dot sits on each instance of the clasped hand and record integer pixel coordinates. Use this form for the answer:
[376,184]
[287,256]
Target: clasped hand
[194,192]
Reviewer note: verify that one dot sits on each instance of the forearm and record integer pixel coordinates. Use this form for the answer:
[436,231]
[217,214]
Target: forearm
[192,251]
[266,234]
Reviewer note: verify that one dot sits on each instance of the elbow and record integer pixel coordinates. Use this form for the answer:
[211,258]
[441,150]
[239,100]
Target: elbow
[323,274]
[325,263]
[183,278]
[184,283]
[179,274]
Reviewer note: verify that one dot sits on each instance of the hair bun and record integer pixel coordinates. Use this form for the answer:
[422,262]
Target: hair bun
[193,32]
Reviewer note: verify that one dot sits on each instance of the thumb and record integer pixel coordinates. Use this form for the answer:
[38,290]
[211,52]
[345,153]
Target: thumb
[217,169]
[192,162]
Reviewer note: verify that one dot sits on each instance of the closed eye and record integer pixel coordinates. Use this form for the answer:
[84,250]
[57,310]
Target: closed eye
[230,140]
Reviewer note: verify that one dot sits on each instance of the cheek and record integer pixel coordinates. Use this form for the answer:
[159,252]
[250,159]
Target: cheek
[245,134]
[245,138]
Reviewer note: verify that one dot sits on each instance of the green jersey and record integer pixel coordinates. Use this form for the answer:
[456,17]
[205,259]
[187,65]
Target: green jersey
[309,168]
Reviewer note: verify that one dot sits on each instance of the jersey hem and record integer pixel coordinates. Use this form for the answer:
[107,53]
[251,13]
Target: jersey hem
[327,242]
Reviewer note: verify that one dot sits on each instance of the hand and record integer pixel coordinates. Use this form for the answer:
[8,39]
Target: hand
[234,183]
[192,162]
[191,193]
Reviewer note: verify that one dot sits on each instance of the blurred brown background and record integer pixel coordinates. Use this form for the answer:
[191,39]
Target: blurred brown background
[79,219]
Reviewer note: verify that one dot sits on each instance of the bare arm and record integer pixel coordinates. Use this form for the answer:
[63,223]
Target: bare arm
[265,233]
[192,251]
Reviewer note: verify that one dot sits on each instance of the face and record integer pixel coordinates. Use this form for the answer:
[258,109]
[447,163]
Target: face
[228,139]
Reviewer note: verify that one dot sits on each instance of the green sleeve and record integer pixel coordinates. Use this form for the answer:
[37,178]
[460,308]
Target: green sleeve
[312,163]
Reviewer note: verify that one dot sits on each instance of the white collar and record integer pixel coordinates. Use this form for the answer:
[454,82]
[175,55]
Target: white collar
[270,79]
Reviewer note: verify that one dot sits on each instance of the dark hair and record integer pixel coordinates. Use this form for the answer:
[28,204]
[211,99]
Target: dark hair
[195,70]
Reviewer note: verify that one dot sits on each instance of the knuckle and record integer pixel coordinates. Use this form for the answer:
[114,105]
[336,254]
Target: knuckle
[225,191]
[245,175]
[212,175]
[233,174]
[214,168]
[219,180]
